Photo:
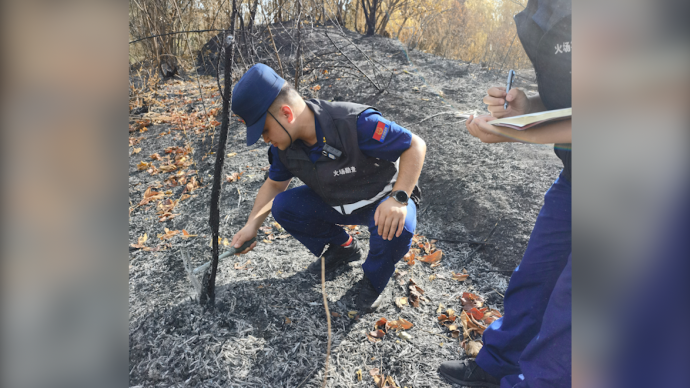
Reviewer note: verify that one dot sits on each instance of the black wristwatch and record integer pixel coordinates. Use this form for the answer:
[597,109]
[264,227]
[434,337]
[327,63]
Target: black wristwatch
[400,196]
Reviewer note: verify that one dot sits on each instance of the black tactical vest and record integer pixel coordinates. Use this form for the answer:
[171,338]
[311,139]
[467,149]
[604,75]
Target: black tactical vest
[350,181]
[548,45]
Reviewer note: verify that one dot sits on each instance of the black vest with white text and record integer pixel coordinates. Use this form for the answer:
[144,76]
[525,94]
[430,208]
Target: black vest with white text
[350,181]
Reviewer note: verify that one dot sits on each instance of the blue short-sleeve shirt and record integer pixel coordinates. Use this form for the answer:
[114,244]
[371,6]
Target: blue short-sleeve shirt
[388,145]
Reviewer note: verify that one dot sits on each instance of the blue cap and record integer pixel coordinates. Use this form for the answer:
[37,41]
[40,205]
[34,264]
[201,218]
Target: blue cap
[252,95]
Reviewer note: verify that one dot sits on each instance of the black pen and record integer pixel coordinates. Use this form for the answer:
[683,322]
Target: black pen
[509,84]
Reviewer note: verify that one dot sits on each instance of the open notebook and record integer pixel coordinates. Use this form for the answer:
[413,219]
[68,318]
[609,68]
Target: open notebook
[530,120]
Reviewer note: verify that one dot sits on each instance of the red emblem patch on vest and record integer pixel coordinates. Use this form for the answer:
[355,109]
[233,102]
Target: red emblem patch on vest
[381,131]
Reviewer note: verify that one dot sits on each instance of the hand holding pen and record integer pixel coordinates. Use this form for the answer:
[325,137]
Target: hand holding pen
[506,102]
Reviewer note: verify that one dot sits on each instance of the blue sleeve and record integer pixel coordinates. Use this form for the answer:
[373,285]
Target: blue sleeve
[278,172]
[381,138]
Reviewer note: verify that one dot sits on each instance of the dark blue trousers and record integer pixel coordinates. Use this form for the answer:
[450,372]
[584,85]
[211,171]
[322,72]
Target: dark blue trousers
[531,345]
[315,224]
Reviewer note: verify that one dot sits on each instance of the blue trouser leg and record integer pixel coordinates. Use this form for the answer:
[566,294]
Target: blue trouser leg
[546,362]
[315,224]
[383,254]
[310,220]
[531,285]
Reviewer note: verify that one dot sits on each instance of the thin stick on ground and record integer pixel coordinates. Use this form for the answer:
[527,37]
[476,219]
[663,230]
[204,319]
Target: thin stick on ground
[328,319]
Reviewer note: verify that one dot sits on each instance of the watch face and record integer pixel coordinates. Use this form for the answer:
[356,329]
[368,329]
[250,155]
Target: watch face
[401,196]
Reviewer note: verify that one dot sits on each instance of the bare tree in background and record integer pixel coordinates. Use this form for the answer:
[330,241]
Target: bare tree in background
[370,7]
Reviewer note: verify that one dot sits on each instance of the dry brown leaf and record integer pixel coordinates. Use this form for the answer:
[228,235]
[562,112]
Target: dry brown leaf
[401,301]
[415,294]
[234,177]
[333,313]
[400,324]
[155,156]
[143,166]
[443,318]
[433,258]
[460,277]
[470,300]
[241,267]
[472,348]
[186,234]
[475,313]
[381,323]
[376,335]
[389,382]
[168,234]
[409,258]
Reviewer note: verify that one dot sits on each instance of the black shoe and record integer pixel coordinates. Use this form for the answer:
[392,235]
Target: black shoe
[468,373]
[368,299]
[337,256]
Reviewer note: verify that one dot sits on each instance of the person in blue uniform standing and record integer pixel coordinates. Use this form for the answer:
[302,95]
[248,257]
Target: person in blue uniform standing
[358,168]
[530,346]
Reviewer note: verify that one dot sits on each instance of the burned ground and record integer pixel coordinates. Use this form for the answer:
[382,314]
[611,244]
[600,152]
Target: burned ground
[269,326]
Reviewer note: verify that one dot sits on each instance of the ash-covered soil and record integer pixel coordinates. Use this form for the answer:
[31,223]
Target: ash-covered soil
[269,327]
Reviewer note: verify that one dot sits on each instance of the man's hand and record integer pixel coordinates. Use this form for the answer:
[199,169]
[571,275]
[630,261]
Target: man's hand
[518,103]
[390,218]
[245,234]
[480,128]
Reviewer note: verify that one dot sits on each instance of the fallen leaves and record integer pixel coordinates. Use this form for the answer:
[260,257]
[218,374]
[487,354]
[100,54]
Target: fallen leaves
[432,258]
[474,320]
[424,250]
[240,267]
[380,380]
[186,234]
[416,293]
[461,277]
[165,208]
[376,335]
[409,258]
[143,166]
[472,348]
[168,234]
[151,195]
[401,301]
[234,177]
[141,243]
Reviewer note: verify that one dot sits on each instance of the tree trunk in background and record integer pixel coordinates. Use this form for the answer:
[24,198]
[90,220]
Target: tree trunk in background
[252,14]
[370,15]
[356,15]
[298,57]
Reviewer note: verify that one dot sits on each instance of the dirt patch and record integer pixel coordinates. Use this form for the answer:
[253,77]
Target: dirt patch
[269,327]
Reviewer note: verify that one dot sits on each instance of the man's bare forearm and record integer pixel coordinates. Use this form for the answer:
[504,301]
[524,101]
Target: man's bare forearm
[264,201]
[411,162]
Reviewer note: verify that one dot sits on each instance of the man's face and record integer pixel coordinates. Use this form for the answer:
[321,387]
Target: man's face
[274,134]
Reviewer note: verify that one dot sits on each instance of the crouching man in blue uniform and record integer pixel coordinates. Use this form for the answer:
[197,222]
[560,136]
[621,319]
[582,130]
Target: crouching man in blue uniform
[358,169]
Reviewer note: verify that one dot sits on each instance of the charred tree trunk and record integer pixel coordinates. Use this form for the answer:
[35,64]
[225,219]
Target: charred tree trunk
[252,15]
[209,296]
[370,15]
